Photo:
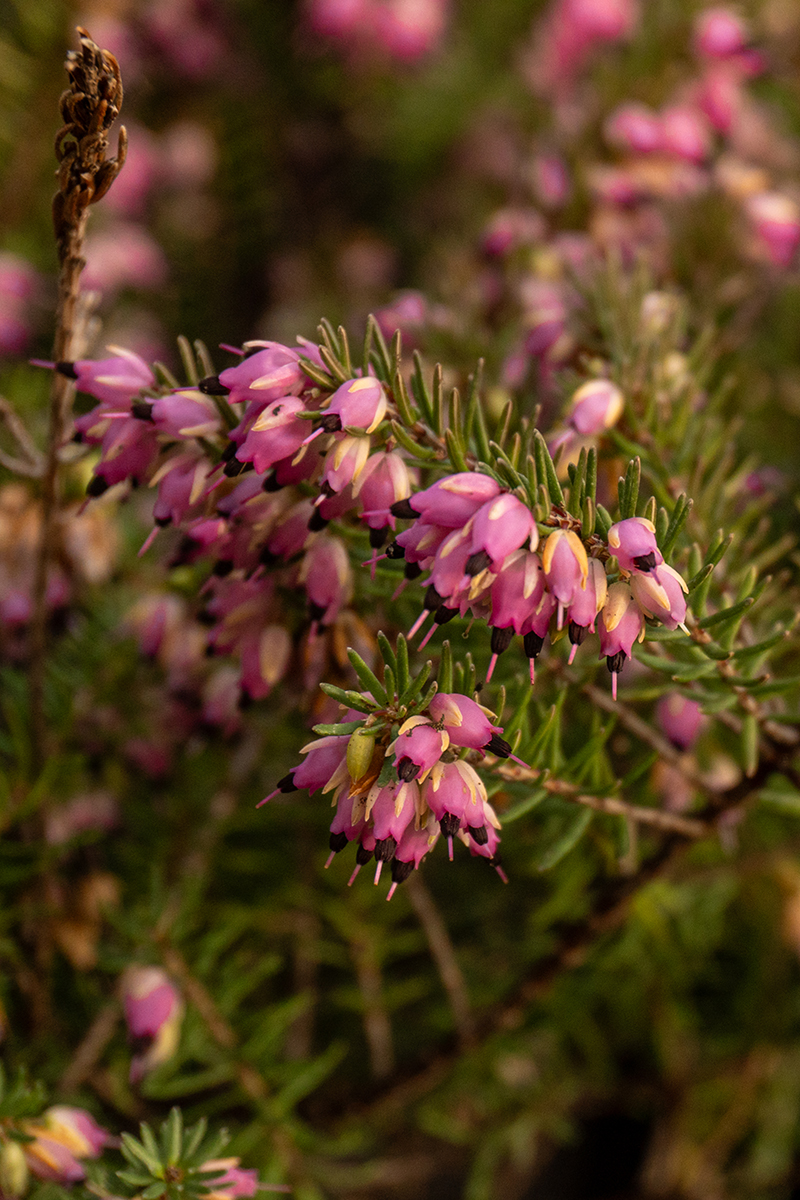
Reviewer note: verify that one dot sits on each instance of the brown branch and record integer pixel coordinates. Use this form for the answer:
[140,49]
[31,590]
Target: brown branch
[85,1058]
[444,956]
[89,108]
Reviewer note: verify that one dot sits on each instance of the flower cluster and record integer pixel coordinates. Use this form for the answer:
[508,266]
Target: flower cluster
[251,483]
[484,555]
[399,780]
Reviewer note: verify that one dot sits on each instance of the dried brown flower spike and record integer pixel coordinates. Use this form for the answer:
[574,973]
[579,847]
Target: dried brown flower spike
[89,108]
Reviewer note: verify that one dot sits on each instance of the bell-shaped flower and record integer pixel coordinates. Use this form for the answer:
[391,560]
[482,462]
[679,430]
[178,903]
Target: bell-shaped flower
[587,604]
[514,596]
[500,527]
[411,849]
[276,433]
[455,794]
[685,133]
[61,1137]
[153,1013]
[357,404]
[344,464]
[418,745]
[596,406]
[262,377]
[181,481]
[265,655]
[619,624]
[661,594]
[384,480]
[392,809]
[451,501]
[421,541]
[566,567]
[129,448]
[535,628]
[327,577]
[633,544]
[680,718]
[634,128]
[467,724]
[114,380]
[235,1180]
[185,414]
[776,221]
[348,822]
[291,535]
[719,32]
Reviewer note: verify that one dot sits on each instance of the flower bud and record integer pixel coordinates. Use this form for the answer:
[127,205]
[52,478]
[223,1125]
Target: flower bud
[153,1012]
[596,406]
[360,749]
[14,1171]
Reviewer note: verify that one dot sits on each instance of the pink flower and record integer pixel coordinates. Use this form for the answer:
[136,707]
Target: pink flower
[587,604]
[276,433]
[633,544]
[263,376]
[596,406]
[417,747]
[358,404]
[466,723]
[344,463]
[62,1136]
[153,1013]
[776,221]
[660,594]
[124,255]
[634,127]
[236,1180]
[327,577]
[384,480]
[185,414]
[685,133]
[619,624]
[114,380]
[499,527]
[450,502]
[680,718]
[719,33]
[565,567]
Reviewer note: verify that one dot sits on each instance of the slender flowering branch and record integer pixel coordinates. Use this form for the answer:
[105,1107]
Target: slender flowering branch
[89,107]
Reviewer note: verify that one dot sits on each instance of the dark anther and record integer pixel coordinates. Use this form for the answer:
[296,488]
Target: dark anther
[499,746]
[577,633]
[444,614]
[245,701]
[271,484]
[316,611]
[502,639]
[615,662]
[395,551]
[77,437]
[229,451]
[222,567]
[266,557]
[432,598]
[645,562]
[337,842]
[316,521]
[384,849]
[407,770]
[450,825]
[287,784]
[403,509]
[204,617]
[378,536]
[477,562]
[211,386]
[331,423]
[142,410]
[234,468]
[68,369]
[412,571]
[97,486]
[363,855]
[249,351]
[479,835]
[326,489]
[401,870]
[163,522]
[532,644]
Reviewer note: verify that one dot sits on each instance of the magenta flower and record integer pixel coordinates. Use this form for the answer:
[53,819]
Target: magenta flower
[113,380]
[685,133]
[499,527]
[348,823]
[776,221]
[467,724]
[236,1180]
[153,1013]
[181,481]
[291,534]
[565,566]
[719,33]
[327,577]
[344,463]
[633,544]
[276,433]
[392,809]
[411,849]
[596,406]
[357,404]
[680,718]
[129,448]
[417,747]
[587,604]
[384,480]
[451,501]
[635,128]
[660,594]
[266,375]
[620,623]
[515,596]
[455,794]
[185,414]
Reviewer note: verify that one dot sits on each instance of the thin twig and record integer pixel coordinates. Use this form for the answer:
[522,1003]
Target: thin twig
[86,1056]
[33,462]
[444,956]
[377,1026]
